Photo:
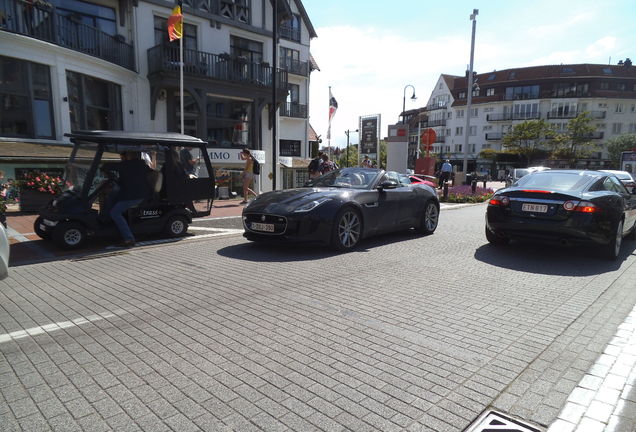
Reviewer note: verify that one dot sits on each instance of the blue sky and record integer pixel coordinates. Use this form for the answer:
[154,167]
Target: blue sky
[368,51]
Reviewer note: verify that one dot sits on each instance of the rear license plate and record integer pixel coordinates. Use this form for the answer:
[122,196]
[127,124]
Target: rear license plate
[262,227]
[536,208]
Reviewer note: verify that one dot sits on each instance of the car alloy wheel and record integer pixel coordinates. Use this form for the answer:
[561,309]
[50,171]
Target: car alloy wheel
[430,219]
[348,229]
[496,240]
[614,247]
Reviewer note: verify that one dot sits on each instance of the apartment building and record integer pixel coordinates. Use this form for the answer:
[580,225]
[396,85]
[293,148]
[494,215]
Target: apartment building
[67,65]
[502,99]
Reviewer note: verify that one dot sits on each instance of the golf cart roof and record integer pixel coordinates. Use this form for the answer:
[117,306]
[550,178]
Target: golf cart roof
[121,137]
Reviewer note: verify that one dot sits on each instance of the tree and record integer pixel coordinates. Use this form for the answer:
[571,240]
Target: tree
[352,159]
[528,138]
[576,143]
[619,144]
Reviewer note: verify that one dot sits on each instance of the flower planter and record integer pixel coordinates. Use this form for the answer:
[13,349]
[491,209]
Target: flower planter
[33,201]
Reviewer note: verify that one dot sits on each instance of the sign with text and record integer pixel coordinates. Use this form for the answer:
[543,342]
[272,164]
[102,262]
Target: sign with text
[369,136]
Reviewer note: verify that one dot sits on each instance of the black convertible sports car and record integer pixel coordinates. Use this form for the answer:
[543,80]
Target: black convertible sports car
[342,207]
[565,206]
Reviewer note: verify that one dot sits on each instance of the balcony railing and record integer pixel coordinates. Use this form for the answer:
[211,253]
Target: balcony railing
[294,66]
[494,136]
[499,117]
[163,58]
[594,135]
[434,123]
[526,116]
[291,109]
[598,114]
[436,107]
[288,32]
[45,23]
[562,115]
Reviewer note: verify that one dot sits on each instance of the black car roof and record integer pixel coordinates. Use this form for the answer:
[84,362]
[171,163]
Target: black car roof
[121,137]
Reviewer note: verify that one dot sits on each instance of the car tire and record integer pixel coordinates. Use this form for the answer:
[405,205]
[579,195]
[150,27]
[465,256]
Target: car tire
[347,230]
[632,234]
[69,235]
[36,229]
[176,226]
[430,219]
[494,240]
[613,249]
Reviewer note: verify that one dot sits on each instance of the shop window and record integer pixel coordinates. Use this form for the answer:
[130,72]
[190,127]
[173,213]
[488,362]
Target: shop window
[26,108]
[228,122]
[289,148]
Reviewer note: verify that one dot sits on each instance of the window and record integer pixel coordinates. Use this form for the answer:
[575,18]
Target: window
[161,34]
[563,109]
[476,92]
[94,15]
[26,108]
[290,60]
[632,128]
[449,115]
[489,110]
[459,130]
[462,95]
[458,148]
[289,148]
[237,10]
[522,92]
[490,92]
[604,85]
[460,113]
[617,128]
[525,111]
[633,108]
[512,75]
[602,105]
[93,103]
[250,50]
[601,126]
[567,70]
[486,146]
[571,89]
[440,86]
[473,131]
[491,77]
[621,86]
[472,148]
[474,112]
[619,108]
[448,132]
[228,121]
[487,128]
[290,29]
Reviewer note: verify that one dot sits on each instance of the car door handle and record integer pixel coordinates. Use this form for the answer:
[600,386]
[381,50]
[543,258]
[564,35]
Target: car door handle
[372,205]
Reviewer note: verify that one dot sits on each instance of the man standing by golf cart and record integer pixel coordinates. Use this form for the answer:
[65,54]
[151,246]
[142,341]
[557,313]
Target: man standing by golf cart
[133,189]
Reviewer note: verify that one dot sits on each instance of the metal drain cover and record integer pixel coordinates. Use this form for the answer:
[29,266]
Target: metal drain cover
[493,421]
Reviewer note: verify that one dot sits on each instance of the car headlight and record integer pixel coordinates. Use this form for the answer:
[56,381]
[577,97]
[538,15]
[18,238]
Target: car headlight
[311,205]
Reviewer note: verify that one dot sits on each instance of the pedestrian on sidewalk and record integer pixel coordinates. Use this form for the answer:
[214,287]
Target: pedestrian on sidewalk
[327,165]
[446,171]
[366,163]
[248,174]
[315,166]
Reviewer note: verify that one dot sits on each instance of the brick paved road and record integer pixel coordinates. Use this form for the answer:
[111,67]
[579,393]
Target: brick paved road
[407,333]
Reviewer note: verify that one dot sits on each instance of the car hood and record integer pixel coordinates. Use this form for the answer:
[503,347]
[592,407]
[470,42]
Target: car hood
[288,200]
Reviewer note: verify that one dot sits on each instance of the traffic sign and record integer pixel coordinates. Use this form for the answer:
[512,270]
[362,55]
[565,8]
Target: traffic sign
[428,137]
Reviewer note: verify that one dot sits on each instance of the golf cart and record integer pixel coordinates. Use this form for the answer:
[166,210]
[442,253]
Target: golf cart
[82,208]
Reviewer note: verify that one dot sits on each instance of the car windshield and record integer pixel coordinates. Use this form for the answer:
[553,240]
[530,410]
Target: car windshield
[356,178]
[78,166]
[558,181]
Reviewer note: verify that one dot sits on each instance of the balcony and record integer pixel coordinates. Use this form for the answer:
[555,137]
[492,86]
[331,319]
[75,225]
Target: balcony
[594,135]
[295,67]
[562,115]
[499,117]
[598,114]
[45,23]
[436,107]
[165,59]
[291,109]
[434,123]
[288,32]
[494,136]
[526,116]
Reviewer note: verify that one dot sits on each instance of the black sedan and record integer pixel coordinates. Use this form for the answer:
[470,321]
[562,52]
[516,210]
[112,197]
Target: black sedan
[342,207]
[564,206]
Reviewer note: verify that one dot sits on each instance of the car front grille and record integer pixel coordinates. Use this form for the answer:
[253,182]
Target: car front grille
[279,223]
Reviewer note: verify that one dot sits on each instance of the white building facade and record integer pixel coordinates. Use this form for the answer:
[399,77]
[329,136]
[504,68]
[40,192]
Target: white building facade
[69,65]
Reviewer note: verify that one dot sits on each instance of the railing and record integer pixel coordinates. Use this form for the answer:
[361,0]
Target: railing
[288,32]
[436,107]
[291,109]
[526,116]
[594,135]
[499,117]
[494,136]
[44,22]
[294,66]
[567,115]
[433,123]
[216,66]
[598,114]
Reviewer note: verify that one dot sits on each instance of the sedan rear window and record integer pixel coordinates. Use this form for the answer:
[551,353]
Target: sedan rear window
[557,181]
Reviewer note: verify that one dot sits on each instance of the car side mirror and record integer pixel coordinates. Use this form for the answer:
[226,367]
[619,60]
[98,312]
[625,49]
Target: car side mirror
[389,184]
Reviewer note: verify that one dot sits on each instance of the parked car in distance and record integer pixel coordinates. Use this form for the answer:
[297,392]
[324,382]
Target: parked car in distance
[626,178]
[341,207]
[517,173]
[569,207]
[4,253]
[423,179]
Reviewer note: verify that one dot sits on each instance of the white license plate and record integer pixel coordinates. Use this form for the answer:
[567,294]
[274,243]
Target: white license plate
[536,208]
[262,227]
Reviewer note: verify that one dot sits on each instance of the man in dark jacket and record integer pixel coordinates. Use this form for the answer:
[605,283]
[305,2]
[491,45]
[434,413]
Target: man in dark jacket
[133,189]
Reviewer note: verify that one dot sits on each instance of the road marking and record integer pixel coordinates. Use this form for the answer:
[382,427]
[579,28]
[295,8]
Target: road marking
[33,331]
[598,400]
[16,235]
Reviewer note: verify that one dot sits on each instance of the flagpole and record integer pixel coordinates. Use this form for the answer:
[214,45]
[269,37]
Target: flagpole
[181,68]
[329,134]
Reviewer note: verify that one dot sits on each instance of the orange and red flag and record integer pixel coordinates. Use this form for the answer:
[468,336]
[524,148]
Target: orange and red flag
[175,24]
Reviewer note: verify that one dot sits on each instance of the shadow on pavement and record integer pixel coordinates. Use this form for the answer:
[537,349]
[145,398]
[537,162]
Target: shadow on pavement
[552,260]
[293,252]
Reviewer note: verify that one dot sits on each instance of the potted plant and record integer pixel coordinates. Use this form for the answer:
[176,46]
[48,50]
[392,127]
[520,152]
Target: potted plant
[222,179]
[37,189]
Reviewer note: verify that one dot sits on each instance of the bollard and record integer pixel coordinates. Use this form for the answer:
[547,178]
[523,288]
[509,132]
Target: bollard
[484,184]
[473,186]
[445,191]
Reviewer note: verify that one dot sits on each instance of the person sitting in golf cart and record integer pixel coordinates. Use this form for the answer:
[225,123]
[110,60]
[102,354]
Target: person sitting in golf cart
[133,189]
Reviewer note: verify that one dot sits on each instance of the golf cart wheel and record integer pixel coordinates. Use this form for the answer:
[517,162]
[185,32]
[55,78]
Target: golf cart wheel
[177,226]
[69,235]
[36,229]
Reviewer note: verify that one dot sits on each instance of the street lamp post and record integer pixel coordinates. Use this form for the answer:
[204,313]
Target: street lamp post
[404,99]
[348,132]
[469,90]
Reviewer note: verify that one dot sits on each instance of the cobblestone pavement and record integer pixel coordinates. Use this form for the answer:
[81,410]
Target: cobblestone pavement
[407,333]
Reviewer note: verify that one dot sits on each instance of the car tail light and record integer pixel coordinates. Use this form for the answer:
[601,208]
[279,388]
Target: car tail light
[581,206]
[499,200]
[535,191]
